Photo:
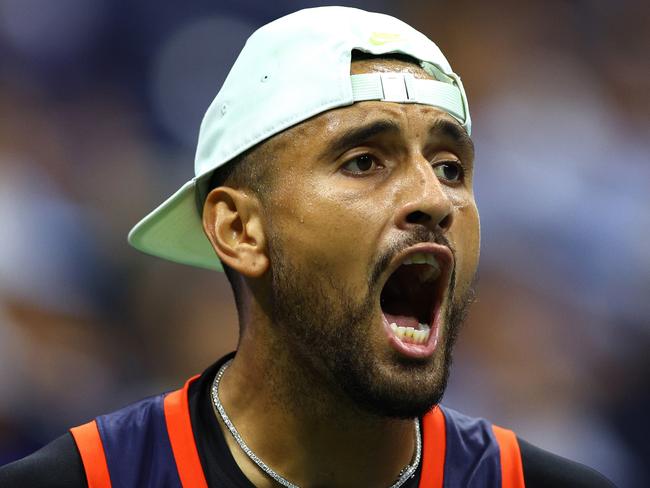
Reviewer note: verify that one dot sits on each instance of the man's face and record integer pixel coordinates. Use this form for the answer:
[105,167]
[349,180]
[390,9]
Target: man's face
[360,192]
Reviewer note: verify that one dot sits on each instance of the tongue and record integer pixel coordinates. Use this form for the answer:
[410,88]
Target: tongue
[402,320]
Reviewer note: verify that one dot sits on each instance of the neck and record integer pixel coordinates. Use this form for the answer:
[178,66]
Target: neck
[312,436]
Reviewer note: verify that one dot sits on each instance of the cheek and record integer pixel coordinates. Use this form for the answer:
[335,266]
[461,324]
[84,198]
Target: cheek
[467,242]
[327,233]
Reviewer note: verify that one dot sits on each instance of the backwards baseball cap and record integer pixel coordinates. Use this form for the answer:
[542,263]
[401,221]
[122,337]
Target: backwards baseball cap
[290,70]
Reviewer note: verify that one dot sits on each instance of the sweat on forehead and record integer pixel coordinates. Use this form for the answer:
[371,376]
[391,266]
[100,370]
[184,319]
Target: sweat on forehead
[362,62]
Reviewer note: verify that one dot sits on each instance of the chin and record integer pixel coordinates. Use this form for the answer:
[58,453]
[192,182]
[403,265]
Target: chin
[397,386]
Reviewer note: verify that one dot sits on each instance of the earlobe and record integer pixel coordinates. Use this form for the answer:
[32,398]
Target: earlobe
[232,222]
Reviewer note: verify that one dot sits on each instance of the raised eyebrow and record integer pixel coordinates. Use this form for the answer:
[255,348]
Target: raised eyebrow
[454,132]
[358,135]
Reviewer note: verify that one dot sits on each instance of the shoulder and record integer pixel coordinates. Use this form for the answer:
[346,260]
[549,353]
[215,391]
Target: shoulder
[484,443]
[542,469]
[58,464]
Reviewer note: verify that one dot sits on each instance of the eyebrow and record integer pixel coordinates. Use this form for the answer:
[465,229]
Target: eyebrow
[454,132]
[359,135]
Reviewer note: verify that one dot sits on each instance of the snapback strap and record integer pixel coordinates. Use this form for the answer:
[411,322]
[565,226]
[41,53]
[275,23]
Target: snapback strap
[405,88]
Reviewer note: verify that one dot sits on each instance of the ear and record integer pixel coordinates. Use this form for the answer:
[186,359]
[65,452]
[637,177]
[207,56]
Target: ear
[232,222]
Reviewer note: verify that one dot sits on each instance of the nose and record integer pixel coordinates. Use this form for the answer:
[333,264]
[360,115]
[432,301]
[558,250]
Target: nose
[427,204]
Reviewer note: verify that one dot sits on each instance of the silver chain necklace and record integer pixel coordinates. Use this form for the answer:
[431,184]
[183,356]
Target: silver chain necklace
[406,473]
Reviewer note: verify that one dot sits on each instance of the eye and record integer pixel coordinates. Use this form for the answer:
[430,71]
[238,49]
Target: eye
[361,164]
[449,171]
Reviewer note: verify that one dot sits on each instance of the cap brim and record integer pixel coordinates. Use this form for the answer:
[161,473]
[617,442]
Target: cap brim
[174,231]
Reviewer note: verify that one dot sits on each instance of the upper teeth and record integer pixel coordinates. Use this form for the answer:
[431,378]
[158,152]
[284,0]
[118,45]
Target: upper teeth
[422,258]
[432,272]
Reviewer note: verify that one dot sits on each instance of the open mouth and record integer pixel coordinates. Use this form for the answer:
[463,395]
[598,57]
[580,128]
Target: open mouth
[412,297]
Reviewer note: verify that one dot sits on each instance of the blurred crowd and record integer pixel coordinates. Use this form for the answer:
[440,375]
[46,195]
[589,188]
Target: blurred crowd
[100,104]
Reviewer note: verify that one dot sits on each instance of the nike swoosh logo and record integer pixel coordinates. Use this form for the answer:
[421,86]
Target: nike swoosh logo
[381,38]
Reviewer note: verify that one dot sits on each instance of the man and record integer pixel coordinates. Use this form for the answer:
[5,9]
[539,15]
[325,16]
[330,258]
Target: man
[334,186]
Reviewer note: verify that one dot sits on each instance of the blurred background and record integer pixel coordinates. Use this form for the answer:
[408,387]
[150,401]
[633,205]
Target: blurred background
[100,104]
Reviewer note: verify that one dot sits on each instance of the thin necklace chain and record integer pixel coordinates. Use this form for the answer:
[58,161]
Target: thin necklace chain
[404,475]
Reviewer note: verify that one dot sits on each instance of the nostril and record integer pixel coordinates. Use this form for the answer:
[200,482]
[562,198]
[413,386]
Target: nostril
[445,223]
[418,217]
[422,218]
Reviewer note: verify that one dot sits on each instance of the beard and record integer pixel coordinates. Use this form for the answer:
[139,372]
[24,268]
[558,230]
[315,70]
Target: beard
[328,327]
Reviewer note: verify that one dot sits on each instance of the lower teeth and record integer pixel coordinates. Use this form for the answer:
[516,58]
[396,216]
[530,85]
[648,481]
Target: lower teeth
[409,334]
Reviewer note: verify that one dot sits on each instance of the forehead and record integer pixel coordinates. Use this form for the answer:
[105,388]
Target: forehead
[402,116]
[386,65]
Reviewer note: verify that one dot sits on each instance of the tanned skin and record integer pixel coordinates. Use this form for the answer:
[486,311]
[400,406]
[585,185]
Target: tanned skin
[313,244]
